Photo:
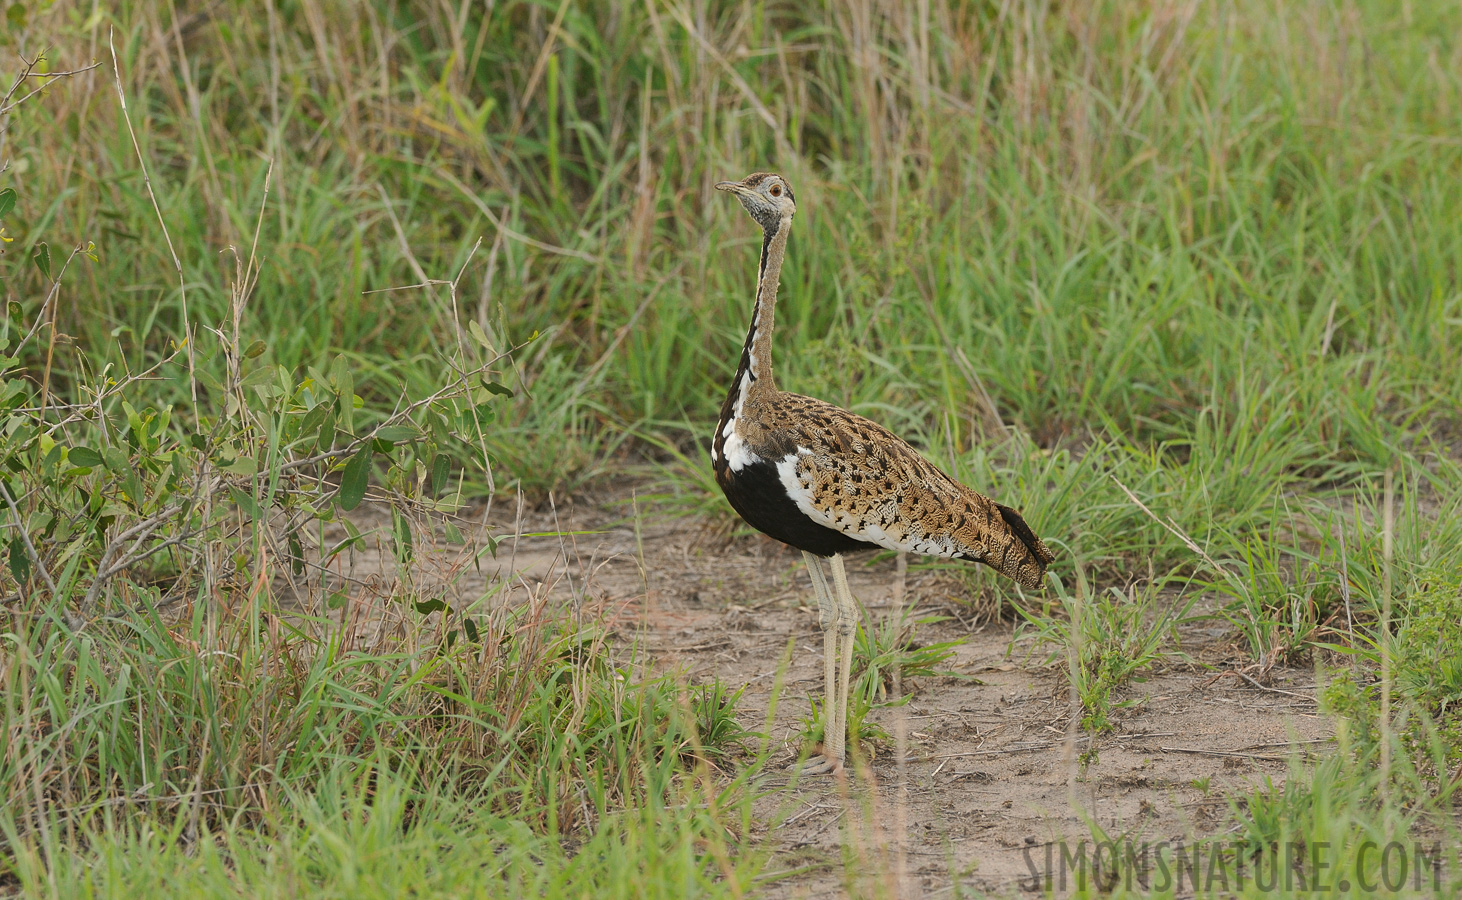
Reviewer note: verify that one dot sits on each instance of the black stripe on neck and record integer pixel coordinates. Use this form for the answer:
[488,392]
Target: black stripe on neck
[743,366]
[766,248]
[767,236]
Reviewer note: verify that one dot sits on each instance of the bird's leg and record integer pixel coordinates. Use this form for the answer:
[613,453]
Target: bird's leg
[827,617]
[847,617]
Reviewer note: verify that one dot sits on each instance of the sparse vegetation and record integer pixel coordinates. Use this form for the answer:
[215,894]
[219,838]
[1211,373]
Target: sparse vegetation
[1101,642]
[884,654]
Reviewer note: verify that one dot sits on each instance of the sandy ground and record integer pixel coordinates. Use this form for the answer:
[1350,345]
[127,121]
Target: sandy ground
[982,772]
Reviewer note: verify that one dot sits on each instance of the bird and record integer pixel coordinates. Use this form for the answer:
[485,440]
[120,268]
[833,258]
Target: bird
[829,482]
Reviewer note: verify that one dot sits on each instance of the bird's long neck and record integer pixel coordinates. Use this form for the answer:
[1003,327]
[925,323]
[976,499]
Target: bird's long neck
[754,374]
[753,384]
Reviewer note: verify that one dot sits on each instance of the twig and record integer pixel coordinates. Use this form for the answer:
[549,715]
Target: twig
[504,230]
[29,72]
[1174,530]
[41,314]
[1388,539]
[1226,753]
[992,413]
[30,548]
[1270,689]
[1264,662]
[740,84]
[1003,751]
[1345,589]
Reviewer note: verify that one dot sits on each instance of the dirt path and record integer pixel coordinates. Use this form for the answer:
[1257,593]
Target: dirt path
[989,775]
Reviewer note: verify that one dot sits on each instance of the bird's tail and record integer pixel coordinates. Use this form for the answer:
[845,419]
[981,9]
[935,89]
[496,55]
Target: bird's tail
[1026,557]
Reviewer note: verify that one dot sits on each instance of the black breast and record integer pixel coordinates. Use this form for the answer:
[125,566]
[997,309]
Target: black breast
[757,493]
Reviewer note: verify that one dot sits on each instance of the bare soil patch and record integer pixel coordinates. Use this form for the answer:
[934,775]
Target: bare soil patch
[987,774]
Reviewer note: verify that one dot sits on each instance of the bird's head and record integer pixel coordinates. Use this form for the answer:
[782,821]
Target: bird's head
[767,197]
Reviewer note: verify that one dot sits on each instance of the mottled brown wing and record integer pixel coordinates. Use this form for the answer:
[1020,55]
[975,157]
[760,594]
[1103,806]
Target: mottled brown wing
[853,475]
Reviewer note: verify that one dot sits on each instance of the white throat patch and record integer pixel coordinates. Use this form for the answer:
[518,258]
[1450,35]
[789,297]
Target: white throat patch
[738,454]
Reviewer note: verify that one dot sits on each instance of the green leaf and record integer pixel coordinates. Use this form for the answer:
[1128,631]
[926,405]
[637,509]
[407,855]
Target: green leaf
[41,256]
[116,460]
[336,600]
[479,335]
[355,537]
[16,313]
[244,501]
[441,472]
[345,387]
[255,350]
[261,375]
[470,628]
[19,560]
[451,532]
[296,553]
[494,387]
[84,457]
[401,536]
[7,201]
[426,607]
[198,441]
[244,465]
[327,432]
[396,434]
[354,479]
[310,424]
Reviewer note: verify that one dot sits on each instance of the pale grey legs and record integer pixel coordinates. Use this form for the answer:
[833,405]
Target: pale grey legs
[837,614]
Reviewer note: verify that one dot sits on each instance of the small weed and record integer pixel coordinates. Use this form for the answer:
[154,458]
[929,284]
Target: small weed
[879,656]
[713,708]
[1279,613]
[1111,638]
[889,650]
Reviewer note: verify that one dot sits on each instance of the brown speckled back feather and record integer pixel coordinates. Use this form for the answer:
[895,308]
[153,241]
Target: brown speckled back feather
[864,481]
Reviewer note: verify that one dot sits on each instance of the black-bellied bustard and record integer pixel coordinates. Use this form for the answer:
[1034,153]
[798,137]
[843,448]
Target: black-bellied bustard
[829,482]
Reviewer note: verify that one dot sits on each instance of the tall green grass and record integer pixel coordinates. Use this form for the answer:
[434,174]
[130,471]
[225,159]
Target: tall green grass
[135,747]
[1131,218]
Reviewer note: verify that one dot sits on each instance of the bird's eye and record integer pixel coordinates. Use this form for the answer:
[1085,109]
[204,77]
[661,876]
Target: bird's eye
[776,190]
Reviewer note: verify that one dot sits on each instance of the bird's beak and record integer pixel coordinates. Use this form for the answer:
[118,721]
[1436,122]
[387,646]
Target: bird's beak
[734,187]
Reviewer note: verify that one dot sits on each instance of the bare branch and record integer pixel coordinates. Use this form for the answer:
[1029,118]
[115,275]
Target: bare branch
[30,548]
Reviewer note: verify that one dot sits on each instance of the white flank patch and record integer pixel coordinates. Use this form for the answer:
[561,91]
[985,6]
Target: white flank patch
[787,472]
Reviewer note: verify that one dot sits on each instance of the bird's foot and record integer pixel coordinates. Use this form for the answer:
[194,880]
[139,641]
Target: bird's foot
[821,764]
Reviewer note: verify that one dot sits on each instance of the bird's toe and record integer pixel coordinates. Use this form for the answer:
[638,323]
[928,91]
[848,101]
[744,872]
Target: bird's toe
[818,765]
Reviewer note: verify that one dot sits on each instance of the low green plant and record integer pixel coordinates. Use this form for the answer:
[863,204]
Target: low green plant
[881,654]
[719,732]
[1106,639]
[1281,611]
[1427,686]
[890,650]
